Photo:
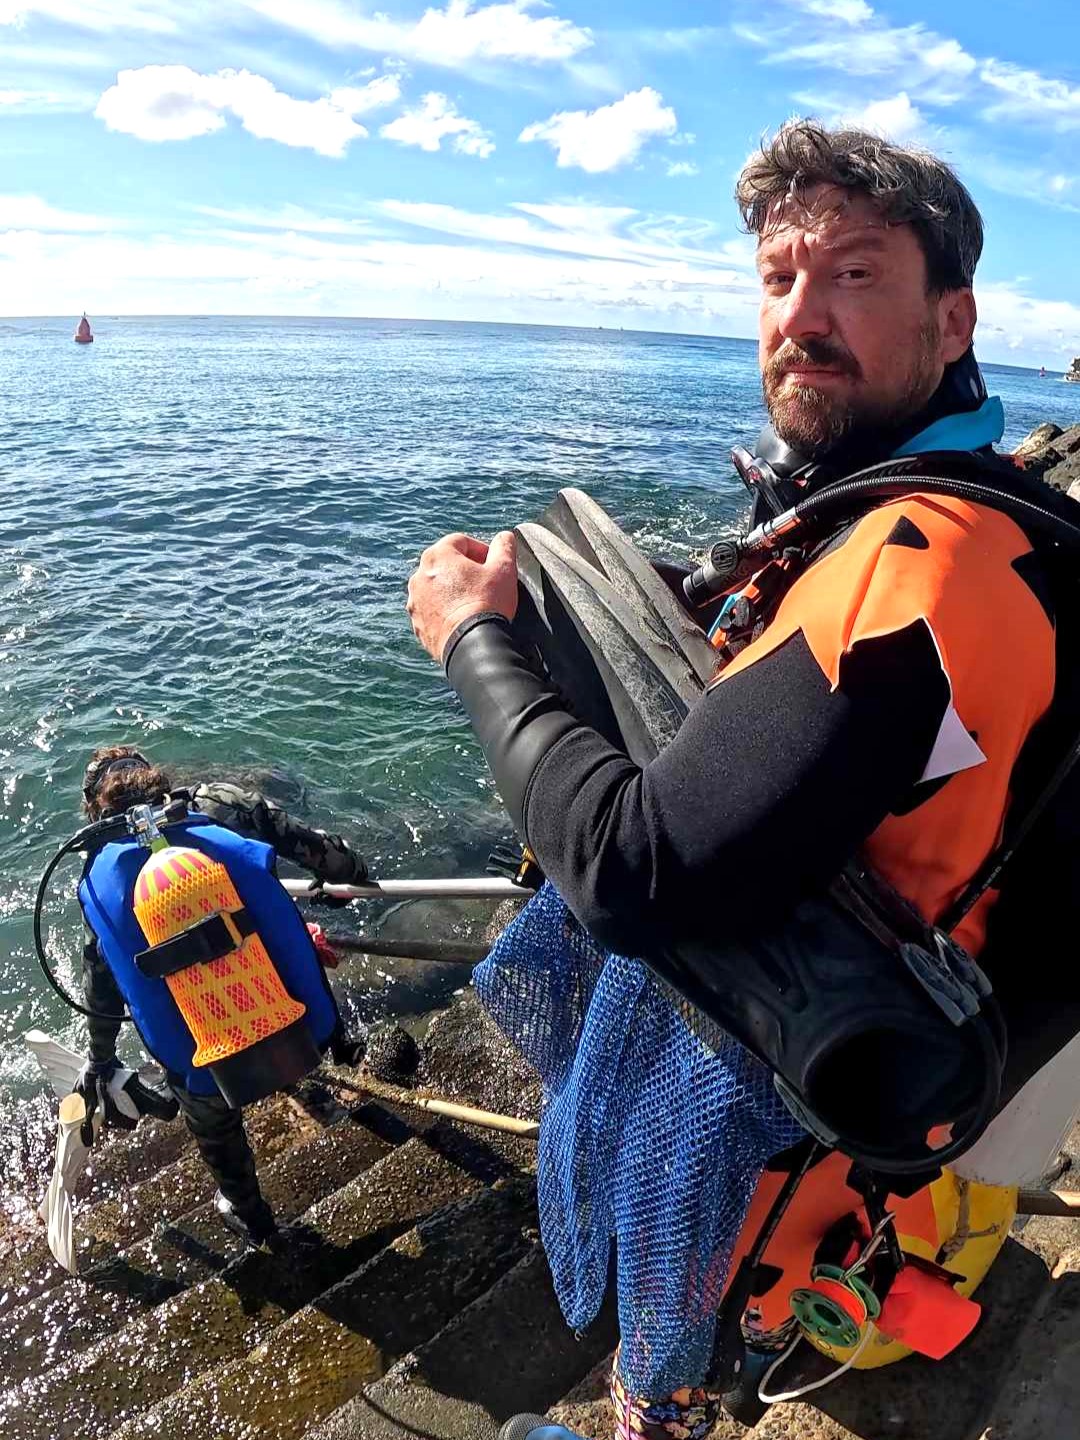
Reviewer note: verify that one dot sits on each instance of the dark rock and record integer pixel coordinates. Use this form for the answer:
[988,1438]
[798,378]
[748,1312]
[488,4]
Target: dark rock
[465,1056]
[1052,454]
[1035,443]
[391,1053]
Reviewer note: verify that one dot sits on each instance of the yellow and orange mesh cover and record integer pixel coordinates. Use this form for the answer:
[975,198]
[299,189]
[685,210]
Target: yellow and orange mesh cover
[228,1004]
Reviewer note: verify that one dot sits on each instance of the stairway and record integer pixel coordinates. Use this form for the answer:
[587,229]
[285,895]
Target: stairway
[410,1249]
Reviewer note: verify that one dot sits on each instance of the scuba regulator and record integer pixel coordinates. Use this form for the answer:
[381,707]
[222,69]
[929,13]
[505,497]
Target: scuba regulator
[140,821]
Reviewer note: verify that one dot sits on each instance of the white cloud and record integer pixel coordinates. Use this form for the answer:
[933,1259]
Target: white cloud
[102,16]
[456,35]
[604,139]
[30,212]
[677,168]
[1026,95]
[436,119]
[29,99]
[851,12]
[174,102]
[1058,184]
[668,243]
[287,217]
[882,50]
[579,217]
[896,119]
[1023,321]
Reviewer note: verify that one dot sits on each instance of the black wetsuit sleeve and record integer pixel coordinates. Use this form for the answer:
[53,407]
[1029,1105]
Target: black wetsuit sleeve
[247,812]
[102,994]
[771,785]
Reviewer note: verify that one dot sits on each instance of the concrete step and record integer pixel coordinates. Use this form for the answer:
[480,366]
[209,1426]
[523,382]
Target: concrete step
[274,1127]
[222,1318]
[325,1353]
[192,1246]
[509,1351]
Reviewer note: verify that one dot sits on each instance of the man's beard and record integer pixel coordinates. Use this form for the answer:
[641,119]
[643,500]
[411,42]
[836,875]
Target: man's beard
[814,422]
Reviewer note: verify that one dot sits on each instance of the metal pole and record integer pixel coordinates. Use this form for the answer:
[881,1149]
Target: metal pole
[1049,1202]
[490,887]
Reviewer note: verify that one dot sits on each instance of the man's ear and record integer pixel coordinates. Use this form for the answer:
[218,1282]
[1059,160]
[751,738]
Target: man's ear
[957,316]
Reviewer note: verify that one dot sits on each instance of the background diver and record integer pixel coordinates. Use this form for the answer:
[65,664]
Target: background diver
[117,778]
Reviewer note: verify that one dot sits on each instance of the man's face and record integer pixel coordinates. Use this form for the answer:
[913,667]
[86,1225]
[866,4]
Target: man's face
[850,341]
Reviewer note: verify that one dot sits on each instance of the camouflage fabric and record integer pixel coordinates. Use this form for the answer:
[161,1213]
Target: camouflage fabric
[248,813]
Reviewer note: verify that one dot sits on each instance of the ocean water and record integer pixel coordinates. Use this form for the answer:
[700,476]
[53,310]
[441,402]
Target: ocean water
[206,527]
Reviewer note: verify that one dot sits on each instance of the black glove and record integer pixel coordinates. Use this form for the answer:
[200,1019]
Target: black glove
[518,864]
[317,895]
[123,1102]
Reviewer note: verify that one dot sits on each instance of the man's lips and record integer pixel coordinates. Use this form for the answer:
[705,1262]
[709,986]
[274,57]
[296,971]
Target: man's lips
[799,371]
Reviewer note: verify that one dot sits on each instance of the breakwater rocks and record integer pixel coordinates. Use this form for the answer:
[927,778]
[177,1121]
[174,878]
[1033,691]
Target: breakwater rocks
[1053,455]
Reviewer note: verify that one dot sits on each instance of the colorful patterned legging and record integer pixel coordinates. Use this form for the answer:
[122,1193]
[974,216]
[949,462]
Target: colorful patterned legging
[687,1414]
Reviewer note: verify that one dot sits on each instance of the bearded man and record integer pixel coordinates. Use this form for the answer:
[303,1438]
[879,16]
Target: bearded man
[864,714]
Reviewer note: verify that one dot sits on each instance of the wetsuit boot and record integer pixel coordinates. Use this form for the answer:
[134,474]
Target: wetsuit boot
[218,1130]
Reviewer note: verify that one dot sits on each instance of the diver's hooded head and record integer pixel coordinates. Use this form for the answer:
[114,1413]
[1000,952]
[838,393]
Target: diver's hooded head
[119,776]
[866,252]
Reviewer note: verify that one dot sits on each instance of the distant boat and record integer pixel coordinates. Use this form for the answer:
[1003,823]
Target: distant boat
[1073,372]
[83,334]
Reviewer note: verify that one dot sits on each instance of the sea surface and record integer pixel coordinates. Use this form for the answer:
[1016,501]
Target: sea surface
[206,526]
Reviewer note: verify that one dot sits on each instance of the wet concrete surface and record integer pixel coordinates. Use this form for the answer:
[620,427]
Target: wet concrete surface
[507,1352]
[465,1057]
[223,1317]
[190,1244]
[127,1211]
[348,1337]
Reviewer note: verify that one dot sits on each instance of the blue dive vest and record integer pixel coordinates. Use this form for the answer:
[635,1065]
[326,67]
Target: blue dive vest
[106,892]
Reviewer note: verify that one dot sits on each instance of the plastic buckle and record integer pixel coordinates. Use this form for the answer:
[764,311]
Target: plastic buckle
[948,977]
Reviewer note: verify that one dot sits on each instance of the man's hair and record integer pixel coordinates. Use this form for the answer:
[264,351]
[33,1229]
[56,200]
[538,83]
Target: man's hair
[109,788]
[908,186]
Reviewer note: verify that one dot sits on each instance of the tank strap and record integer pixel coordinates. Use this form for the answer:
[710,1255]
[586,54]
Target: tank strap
[211,939]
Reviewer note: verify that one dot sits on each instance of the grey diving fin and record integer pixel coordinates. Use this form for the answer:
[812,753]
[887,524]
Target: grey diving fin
[589,529]
[612,636]
[609,659]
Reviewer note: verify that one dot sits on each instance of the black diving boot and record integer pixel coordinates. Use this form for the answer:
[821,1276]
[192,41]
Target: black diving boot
[255,1225]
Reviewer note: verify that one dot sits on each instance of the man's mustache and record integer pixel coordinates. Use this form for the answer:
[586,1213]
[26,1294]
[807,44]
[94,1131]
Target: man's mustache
[809,353]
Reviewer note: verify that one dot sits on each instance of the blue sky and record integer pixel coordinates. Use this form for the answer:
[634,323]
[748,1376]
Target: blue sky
[569,162]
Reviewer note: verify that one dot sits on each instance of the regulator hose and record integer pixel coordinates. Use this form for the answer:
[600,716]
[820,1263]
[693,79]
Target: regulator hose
[101,830]
[730,561]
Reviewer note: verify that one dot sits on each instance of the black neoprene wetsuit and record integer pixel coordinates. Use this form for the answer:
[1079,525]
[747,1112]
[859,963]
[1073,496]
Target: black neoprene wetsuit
[770,786]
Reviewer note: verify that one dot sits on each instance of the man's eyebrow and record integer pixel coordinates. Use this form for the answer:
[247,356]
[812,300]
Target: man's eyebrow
[871,237]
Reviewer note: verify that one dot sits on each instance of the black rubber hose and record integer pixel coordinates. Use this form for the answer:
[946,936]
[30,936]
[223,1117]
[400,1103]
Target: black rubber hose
[75,843]
[1018,507]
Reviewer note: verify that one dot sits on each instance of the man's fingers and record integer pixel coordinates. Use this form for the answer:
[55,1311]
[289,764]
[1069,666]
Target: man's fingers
[502,552]
[465,545]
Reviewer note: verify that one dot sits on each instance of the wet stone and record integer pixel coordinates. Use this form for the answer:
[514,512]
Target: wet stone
[391,1053]
[323,1355]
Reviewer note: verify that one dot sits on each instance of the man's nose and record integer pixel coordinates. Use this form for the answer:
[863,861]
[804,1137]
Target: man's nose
[805,312]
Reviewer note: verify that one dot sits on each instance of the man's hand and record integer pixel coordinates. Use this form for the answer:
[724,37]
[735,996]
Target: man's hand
[458,577]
